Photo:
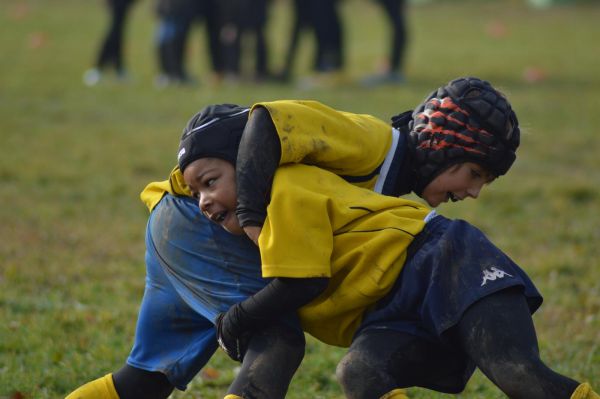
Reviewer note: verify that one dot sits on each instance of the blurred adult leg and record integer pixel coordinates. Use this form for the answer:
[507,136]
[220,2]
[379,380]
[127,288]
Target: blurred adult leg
[329,36]
[111,52]
[395,12]
[230,35]
[302,11]
[261,53]
[214,24]
[393,73]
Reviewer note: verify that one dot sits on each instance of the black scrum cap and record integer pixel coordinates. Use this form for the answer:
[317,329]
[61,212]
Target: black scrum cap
[213,132]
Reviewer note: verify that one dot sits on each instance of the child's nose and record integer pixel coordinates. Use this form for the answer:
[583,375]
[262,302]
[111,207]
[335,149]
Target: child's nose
[473,192]
[204,203]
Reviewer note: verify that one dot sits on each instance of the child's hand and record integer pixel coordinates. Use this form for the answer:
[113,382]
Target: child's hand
[234,347]
[253,232]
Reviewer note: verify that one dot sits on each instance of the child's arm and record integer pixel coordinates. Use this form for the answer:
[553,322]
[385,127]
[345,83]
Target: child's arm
[281,296]
[259,156]
[307,132]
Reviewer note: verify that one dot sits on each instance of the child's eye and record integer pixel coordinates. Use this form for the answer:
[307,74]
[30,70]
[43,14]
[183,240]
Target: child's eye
[210,182]
[476,174]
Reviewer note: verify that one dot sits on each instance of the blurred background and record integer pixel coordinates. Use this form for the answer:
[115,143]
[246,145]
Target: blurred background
[94,95]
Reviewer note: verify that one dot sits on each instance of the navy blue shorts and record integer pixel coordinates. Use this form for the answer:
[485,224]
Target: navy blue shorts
[450,266]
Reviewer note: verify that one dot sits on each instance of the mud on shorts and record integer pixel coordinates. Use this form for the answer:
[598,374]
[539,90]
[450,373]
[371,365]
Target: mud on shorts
[194,271]
[450,266]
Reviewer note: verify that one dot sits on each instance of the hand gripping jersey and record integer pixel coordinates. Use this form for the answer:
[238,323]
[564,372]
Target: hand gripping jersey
[318,225]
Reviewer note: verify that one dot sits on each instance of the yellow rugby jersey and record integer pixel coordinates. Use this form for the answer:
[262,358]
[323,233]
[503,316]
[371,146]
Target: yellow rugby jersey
[318,225]
[347,144]
[153,192]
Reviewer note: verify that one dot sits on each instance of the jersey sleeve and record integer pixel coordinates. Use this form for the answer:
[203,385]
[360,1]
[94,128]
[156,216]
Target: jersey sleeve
[154,191]
[341,142]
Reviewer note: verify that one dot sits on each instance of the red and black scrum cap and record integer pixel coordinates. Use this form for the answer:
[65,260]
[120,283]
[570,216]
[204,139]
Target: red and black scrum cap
[466,120]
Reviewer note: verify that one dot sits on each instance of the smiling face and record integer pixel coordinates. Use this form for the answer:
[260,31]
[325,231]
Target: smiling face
[457,183]
[212,182]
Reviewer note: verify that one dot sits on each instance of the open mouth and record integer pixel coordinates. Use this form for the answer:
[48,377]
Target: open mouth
[219,217]
[453,197]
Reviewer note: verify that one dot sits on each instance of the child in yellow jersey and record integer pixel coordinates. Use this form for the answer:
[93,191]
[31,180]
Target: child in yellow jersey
[327,281]
[421,300]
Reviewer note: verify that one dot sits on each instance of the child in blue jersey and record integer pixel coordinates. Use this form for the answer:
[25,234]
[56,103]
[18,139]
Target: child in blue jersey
[148,377]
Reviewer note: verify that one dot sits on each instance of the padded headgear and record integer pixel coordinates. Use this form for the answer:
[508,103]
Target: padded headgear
[213,132]
[466,120]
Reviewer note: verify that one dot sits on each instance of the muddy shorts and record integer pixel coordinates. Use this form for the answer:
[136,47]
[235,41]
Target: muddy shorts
[194,271]
[450,266]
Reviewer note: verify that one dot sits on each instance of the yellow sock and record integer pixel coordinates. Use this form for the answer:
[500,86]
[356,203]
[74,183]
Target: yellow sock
[395,394]
[102,388]
[584,391]
[232,396]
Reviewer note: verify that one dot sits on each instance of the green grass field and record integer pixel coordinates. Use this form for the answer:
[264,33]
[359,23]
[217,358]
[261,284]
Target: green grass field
[74,159]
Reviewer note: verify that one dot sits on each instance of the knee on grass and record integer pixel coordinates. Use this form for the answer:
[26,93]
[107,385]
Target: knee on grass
[359,379]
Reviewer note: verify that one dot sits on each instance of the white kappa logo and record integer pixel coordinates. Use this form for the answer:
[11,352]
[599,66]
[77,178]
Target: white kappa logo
[492,274]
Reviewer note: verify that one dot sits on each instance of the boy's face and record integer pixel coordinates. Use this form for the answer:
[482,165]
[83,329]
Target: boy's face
[212,182]
[457,183]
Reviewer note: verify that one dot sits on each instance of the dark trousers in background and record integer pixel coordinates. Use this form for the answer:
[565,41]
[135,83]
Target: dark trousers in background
[111,50]
[394,10]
